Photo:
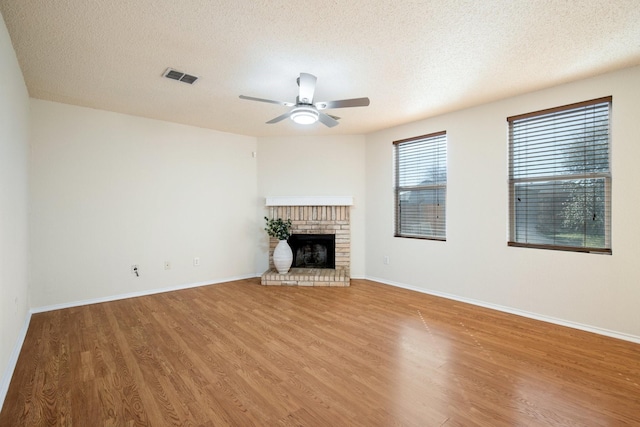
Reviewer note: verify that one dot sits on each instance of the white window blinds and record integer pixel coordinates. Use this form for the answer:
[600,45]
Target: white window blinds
[559,178]
[421,186]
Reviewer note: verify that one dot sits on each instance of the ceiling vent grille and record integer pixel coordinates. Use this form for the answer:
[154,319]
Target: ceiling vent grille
[172,74]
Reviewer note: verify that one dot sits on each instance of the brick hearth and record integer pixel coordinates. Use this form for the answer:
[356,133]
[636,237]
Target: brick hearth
[314,220]
[307,277]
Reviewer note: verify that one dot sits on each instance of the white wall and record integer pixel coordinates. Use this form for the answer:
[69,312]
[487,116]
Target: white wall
[597,291]
[315,166]
[110,190]
[14,152]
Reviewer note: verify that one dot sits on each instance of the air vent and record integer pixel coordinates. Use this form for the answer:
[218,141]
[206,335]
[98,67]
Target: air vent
[170,73]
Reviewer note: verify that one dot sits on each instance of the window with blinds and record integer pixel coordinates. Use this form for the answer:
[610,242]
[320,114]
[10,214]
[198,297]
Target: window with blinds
[559,178]
[421,186]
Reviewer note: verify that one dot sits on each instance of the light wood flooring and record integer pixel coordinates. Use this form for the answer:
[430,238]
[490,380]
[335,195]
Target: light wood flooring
[242,354]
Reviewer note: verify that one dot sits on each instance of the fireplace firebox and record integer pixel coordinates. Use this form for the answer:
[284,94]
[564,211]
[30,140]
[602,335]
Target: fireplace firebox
[313,250]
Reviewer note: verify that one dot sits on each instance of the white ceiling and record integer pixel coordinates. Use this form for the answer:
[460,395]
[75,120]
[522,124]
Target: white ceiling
[412,58]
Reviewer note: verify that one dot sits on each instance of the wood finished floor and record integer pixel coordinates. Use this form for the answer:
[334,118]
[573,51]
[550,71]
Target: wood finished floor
[241,354]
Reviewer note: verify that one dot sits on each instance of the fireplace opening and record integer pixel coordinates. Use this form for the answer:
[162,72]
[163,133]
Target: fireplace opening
[313,250]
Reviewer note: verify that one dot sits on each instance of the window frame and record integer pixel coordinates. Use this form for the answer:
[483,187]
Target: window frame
[558,177]
[436,137]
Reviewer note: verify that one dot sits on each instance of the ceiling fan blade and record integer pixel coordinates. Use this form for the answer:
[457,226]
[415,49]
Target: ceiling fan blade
[307,83]
[333,117]
[327,120]
[355,102]
[279,118]
[270,101]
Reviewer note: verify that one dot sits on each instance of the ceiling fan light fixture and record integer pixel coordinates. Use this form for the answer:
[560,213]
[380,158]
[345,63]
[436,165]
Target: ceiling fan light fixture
[304,115]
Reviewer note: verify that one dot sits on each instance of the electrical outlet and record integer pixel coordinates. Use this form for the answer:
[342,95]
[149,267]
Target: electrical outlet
[167,265]
[135,269]
[385,260]
[196,261]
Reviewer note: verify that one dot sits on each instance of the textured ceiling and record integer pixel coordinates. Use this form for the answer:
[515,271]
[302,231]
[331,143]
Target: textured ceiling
[412,58]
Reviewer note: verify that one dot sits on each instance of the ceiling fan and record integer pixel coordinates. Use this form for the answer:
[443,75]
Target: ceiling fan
[304,110]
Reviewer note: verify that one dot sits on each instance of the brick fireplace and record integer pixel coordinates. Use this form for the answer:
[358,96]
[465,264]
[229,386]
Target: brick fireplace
[313,215]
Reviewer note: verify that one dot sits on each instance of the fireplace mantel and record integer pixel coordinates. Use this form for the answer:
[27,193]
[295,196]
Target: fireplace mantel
[309,201]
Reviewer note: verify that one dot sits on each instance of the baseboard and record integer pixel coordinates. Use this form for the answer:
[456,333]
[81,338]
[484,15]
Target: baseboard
[136,294]
[530,315]
[13,360]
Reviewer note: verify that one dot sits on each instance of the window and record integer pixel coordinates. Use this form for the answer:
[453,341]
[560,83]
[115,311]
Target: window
[559,178]
[421,186]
